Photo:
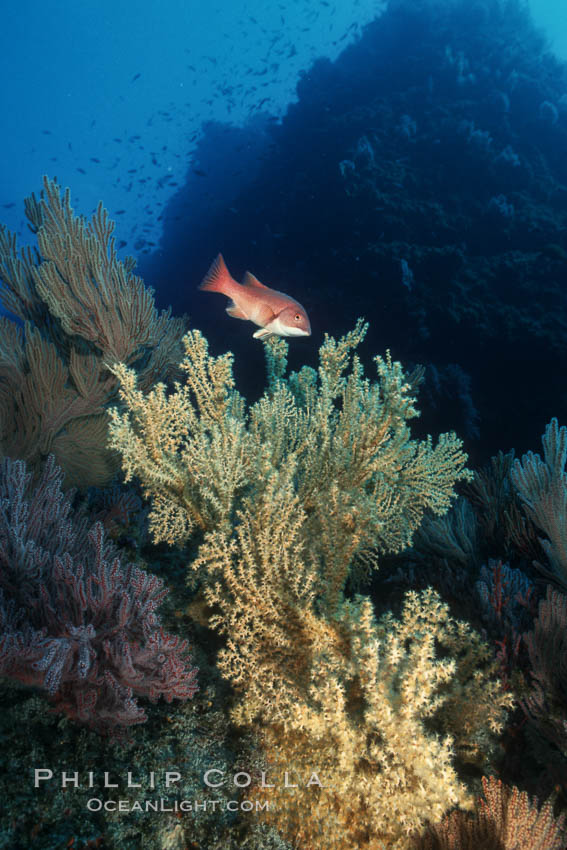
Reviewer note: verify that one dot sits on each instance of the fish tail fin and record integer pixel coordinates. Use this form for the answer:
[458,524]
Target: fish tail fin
[218,277]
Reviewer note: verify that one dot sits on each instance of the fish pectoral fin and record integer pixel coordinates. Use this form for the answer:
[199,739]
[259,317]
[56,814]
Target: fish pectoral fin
[235,311]
[263,333]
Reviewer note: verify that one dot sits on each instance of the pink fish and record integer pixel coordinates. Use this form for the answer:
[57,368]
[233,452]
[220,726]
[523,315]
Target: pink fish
[275,313]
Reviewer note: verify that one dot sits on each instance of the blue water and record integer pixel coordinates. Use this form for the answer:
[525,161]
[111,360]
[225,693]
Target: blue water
[131,85]
[71,88]
[402,161]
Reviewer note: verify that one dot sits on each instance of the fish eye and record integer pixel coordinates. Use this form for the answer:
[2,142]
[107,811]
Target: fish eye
[297,317]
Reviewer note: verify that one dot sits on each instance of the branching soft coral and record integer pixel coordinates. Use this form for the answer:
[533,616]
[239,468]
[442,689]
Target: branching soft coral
[286,496]
[74,621]
[542,486]
[362,714]
[81,307]
[505,819]
[362,481]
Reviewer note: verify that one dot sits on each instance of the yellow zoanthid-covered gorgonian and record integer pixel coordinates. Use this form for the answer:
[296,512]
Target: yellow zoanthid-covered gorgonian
[284,497]
[341,439]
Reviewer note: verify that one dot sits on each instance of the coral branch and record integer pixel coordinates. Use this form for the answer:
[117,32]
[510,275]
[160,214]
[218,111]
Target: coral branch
[82,308]
[73,620]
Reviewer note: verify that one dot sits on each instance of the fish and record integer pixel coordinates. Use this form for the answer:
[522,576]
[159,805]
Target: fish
[276,313]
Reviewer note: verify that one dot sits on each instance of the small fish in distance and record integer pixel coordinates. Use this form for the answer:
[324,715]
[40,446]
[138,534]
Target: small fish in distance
[276,314]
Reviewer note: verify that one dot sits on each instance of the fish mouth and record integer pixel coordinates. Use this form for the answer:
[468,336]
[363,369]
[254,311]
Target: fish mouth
[297,332]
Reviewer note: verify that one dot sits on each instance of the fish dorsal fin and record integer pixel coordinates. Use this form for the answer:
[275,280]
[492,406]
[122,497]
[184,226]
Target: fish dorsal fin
[250,280]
